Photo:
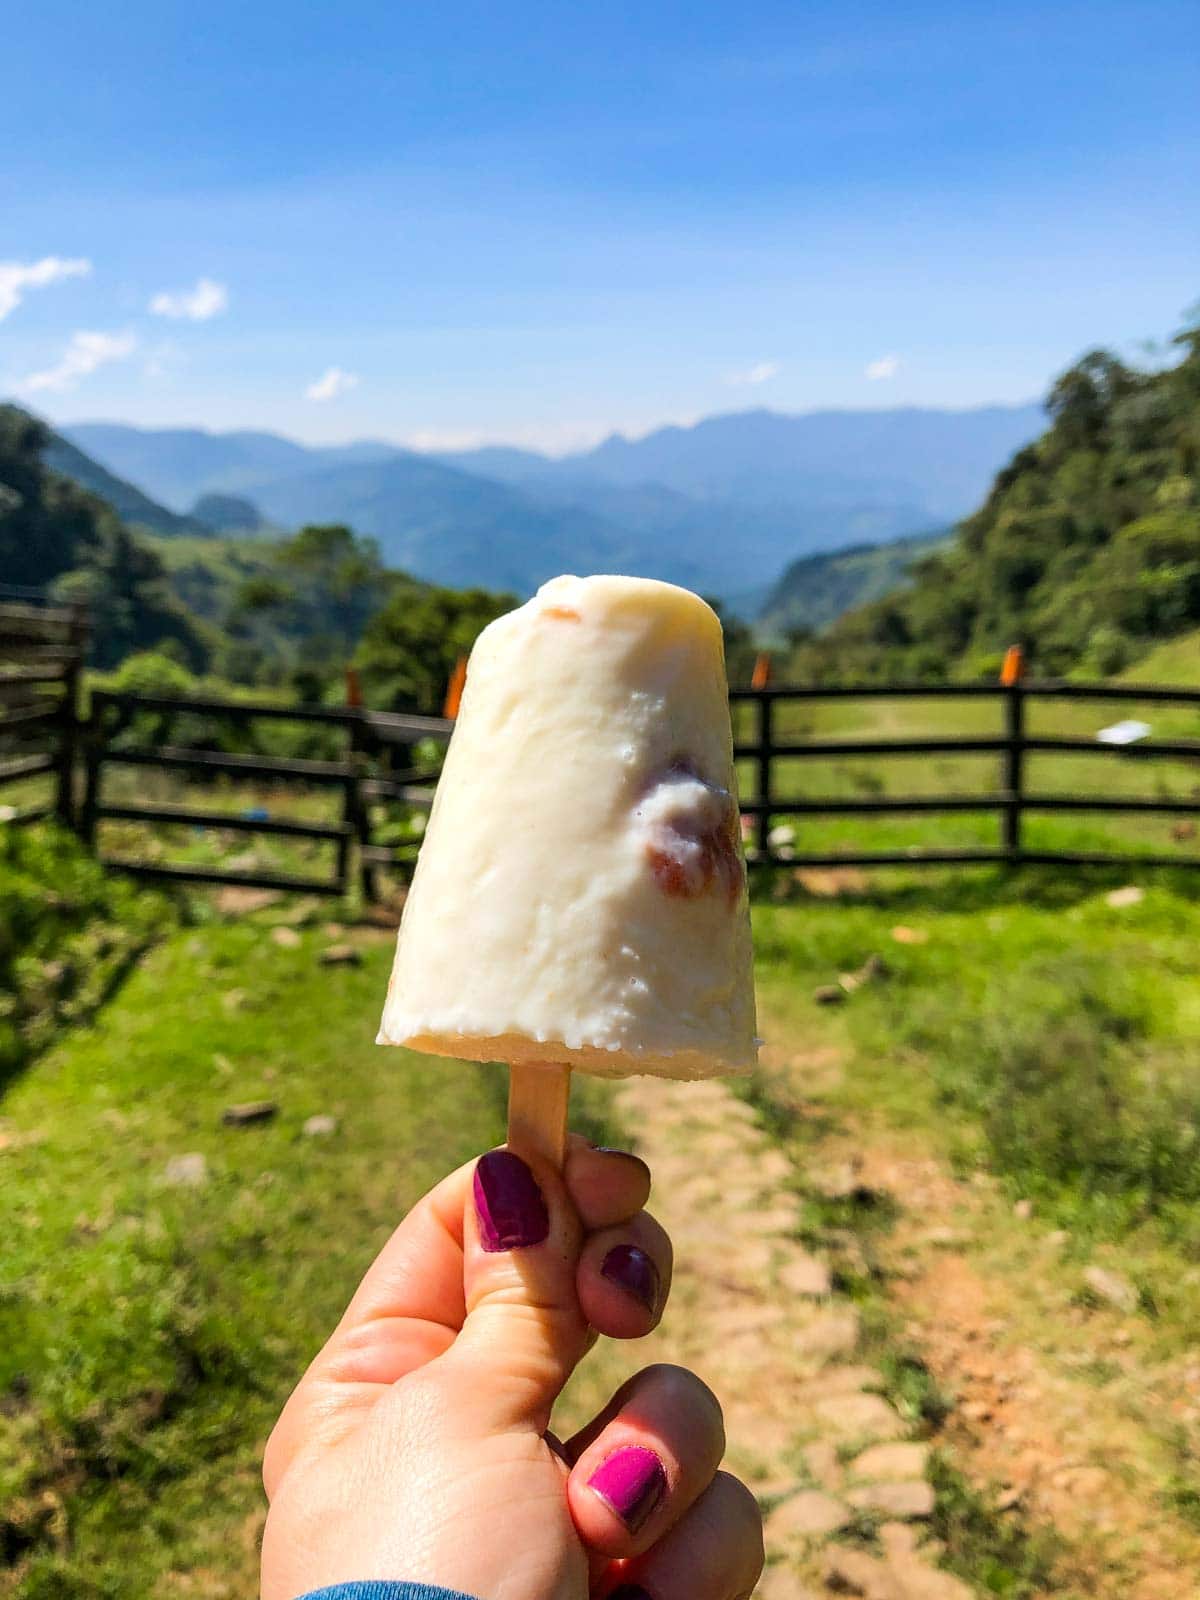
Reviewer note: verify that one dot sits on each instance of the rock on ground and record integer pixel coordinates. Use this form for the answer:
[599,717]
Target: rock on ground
[807,1515]
[187,1171]
[1112,1288]
[340,955]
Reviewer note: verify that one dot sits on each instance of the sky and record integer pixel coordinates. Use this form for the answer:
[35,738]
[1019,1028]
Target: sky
[539,223]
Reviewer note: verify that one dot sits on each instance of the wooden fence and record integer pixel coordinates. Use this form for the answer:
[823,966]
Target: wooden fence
[364,771]
[43,731]
[1012,801]
[41,658]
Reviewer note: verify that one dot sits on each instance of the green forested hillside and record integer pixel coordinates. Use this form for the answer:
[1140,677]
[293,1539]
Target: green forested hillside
[816,590]
[287,613]
[56,535]
[1086,550]
[130,504]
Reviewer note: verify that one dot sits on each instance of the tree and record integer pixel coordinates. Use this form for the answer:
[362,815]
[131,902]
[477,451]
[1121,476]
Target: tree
[410,646]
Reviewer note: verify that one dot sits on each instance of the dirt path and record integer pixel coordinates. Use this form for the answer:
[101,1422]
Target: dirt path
[1061,1404]
[754,1314]
[840,1472]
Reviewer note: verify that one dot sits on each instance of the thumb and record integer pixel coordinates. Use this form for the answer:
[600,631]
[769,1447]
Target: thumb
[524,1331]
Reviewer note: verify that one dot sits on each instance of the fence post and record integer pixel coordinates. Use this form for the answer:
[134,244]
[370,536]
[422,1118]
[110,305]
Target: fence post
[1014,764]
[68,738]
[93,747]
[362,815]
[765,734]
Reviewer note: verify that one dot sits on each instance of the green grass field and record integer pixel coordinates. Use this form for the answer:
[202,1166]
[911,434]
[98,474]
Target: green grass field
[150,1328]
[150,1325]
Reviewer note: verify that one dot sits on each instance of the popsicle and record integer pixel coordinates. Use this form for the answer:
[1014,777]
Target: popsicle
[580,896]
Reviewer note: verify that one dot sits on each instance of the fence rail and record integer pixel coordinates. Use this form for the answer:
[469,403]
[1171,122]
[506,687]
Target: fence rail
[41,658]
[1011,802]
[367,763]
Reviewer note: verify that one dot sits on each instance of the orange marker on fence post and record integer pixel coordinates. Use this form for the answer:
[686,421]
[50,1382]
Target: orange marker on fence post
[760,678]
[1011,673]
[454,689]
[1013,668]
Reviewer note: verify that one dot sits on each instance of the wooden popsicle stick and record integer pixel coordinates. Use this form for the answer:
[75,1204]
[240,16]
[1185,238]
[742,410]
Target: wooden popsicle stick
[537,1112]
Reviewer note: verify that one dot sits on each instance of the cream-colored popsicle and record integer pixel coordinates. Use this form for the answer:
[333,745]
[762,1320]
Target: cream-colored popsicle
[580,896]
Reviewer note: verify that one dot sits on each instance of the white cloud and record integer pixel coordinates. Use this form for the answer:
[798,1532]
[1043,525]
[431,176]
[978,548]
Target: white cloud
[207,299]
[17,276]
[84,353]
[760,372]
[885,367]
[332,382]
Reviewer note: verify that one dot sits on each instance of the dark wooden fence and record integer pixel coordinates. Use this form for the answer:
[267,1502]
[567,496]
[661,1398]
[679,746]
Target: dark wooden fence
[1012,801]
[369,761]
[365,770]
[41,658]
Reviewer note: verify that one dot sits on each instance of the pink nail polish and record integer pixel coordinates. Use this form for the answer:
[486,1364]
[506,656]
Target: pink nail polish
[631,1482]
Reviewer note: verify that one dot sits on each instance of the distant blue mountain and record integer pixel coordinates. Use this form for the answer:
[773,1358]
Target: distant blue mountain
[723,506]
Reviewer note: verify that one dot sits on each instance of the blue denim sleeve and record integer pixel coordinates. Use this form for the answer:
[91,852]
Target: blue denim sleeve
[377,1589]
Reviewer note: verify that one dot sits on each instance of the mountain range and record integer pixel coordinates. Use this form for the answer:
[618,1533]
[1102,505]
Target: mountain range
[722,506]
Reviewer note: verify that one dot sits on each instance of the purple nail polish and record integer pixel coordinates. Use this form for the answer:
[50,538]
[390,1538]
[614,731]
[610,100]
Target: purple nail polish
[633,1270]
[631,1482]
[510,1207]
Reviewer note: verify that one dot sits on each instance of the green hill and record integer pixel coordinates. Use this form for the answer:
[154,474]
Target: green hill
[130,504]
[55,535]
[816,590]
[1086,550]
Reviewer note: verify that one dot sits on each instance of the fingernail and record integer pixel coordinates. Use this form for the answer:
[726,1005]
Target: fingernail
[631,1482]
[510,1207]
[632,1270]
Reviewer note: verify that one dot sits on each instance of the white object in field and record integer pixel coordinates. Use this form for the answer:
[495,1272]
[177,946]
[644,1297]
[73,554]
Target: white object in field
[580,897]
[1128,732]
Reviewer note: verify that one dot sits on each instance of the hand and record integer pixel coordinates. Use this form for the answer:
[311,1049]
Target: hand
[415,1446]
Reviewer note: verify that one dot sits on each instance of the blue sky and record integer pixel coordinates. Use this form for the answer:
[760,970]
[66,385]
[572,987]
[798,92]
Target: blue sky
[540,222]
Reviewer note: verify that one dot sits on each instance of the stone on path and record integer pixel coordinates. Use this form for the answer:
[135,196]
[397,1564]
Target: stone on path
[891,1462]
[807,1515]
[829,994]
[834,1333]
[821,1459]
[321,1126]
[340,955]
[853,1415]
[780,1583]
[187,1171]
[236,900]
[855,1572]
[287,938]
[805,1275]
[1112,1288]
[1130,895]
[250,1111]
[777,1219]
[908,1501]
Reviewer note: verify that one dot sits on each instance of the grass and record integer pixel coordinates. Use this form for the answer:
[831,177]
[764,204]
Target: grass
[1043,1042]
[68,932]
[1052,1035]
[149,1331]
